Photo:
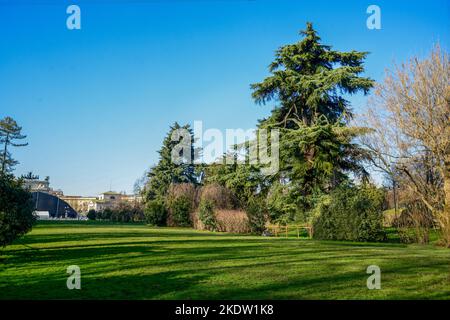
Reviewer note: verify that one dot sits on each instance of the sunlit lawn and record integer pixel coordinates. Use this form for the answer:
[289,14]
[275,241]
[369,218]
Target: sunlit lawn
[133,261]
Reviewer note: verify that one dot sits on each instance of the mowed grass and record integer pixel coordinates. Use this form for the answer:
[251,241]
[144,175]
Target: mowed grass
[131,261]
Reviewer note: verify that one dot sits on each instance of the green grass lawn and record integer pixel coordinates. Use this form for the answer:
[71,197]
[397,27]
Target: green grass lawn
[132,261]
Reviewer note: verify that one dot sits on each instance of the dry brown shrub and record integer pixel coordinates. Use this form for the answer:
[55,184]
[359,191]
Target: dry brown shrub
[196,222]
[235,221]
[222,197]
[187,190]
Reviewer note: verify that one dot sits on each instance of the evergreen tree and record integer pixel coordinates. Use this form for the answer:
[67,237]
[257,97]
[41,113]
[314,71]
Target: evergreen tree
[168,171]
[308,79]
[316,151]
[9,132]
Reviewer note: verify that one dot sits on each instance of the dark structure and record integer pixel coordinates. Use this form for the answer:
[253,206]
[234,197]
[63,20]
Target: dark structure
[56,207]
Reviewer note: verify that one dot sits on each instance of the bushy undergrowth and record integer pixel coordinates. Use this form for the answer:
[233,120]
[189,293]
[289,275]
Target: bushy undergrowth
[235,221]
[350,213]
[16,210]
[179,212]
[257,214]
[156,213]
[206,215]
[219,196]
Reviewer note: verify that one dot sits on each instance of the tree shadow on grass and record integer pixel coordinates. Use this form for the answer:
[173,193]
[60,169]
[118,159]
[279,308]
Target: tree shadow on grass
[195,278]
[106,287]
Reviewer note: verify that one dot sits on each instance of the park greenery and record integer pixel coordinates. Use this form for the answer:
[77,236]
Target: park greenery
[326,153]
[16,210]
[135,261]
[198,229]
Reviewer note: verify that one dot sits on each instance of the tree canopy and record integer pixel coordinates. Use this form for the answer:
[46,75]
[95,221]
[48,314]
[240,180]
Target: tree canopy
[308,80]
[167,171]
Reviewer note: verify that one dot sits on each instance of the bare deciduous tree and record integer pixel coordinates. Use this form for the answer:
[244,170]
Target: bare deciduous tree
[410,117]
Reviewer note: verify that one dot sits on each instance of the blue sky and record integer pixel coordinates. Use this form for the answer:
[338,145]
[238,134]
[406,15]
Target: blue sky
[97,102]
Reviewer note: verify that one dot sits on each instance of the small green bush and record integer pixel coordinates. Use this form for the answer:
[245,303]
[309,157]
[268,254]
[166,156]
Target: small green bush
[350,213]
[281,205]
[92,214]
[257,214]
[156,213]
[179,210]
[106,214]
[206,215]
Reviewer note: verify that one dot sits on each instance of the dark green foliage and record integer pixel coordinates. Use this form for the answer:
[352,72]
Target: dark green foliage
[16,210]
[243,180]
[167,172]
[315,160]
[155,213]
[350,213]
[106,214]
[92,214]
[123,212]
[257,214]
[321,154]
[307,80]
[180,209]
[282,204]
[206,215]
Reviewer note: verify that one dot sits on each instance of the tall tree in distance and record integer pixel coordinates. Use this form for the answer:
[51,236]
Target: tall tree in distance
[10,131]
[308,80]
[168,171]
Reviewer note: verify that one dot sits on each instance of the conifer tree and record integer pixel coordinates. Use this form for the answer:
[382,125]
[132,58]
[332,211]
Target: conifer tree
[308,80]
[9,132]
[168,171]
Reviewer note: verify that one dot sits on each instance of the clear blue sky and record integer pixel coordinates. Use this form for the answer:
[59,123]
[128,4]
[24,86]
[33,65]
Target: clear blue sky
[96,102]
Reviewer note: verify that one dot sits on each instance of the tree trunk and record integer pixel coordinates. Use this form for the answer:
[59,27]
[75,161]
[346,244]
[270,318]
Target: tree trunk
[5,150]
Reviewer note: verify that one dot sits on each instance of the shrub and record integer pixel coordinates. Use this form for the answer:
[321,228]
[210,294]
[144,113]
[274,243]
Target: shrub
[257,215]
[232,221]
[281,205]
[187,190]
[156,213]
[179,211]
[221,197]
[350,213]
[105,214]
[92,214]
[16,210]
[206,215]
[414,223]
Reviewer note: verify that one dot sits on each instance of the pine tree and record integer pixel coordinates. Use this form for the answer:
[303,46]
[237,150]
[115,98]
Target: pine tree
[308,79]
[167,171]
[9,132]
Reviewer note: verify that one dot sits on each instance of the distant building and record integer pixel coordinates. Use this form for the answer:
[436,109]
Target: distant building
[111,199]
[55,207]
[78,204]
[36,185]
[106,200]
